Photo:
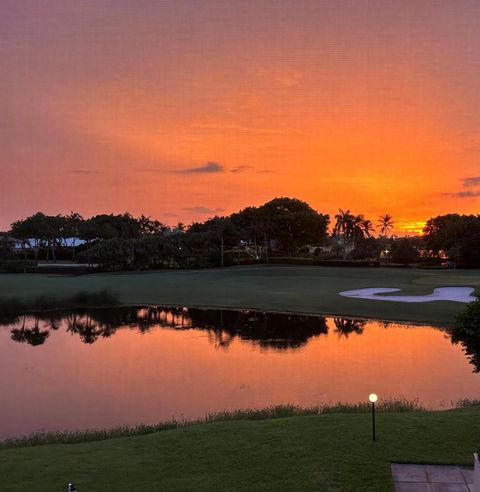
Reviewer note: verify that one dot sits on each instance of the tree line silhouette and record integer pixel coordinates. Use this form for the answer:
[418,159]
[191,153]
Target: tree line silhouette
[283,227]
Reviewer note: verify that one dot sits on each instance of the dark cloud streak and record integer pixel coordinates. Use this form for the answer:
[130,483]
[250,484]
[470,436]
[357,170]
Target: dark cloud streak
[203,210]
[241,169]
[472,181]
[83,171]
[463,194]
[209,167]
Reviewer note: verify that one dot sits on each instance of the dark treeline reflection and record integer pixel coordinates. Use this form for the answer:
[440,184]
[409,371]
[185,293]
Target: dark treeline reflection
[280,331]
[272,330]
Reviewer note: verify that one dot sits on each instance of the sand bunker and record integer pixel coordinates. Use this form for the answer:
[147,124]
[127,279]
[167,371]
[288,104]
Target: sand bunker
[457,294]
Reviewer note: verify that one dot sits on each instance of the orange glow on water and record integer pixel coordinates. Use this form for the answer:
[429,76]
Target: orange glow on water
[131,378]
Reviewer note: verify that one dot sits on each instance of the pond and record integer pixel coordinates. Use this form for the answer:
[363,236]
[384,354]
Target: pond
[107,367]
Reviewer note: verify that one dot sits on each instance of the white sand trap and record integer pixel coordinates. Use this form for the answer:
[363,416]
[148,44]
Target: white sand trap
[457,294]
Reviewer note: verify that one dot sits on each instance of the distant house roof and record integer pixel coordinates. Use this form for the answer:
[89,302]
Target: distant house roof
[30,243]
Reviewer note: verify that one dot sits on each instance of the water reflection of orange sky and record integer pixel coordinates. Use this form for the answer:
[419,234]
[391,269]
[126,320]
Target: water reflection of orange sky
[367,106]
[131,378]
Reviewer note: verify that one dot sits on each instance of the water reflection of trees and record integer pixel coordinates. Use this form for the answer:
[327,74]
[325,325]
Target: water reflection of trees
[344,327]
[279,331]
[264,329]
[32,334]
[471,347]
[87,328]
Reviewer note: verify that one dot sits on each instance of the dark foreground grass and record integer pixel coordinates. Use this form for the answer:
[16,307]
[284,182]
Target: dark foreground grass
[329,451]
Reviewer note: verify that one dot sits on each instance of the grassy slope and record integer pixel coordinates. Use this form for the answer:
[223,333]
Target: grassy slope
[286,288]
[325,452]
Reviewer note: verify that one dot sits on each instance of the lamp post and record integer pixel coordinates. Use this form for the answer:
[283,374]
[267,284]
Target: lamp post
[373,398]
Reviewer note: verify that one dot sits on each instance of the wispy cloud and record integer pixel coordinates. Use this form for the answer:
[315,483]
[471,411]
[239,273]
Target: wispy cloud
[241,169]
[265,171]
[472,181]
[463,194]
[210,167]
[203,210]
[83,171]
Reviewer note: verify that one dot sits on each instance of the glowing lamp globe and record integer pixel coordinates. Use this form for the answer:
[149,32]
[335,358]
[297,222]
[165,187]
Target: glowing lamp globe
[373,397]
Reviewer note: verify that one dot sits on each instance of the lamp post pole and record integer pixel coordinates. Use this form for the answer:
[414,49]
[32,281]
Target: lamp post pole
[373,421]
[373,398]
[222,252]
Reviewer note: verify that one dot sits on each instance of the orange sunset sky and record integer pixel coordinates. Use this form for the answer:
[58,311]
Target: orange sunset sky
[185,109]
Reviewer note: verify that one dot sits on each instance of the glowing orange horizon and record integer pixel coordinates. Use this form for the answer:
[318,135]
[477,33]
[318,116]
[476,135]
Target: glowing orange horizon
[374,116]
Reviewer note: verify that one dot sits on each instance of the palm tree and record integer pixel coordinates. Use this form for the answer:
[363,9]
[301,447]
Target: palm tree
[367,228]
[357,230]
[361,228]
[344,226]
[344,223]
[73,224]
[352,227]
[385,222]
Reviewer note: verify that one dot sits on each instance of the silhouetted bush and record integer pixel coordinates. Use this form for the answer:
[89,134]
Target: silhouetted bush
[466,331]
[404,252]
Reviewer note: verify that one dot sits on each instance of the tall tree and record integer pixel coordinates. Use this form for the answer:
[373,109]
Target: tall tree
[351,228]
[32,231]
[73,226]
[344,224]
[216,236]
[386,223]
[293,223]
[457,236]
[254,228]
[367,228]
[101,227]
[149,227]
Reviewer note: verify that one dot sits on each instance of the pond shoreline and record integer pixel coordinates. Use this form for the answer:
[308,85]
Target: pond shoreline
[231,308]
[266,413]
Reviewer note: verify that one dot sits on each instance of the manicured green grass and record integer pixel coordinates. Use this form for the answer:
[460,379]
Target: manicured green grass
[272,412]
[328,452]
[14,306]
[281,288]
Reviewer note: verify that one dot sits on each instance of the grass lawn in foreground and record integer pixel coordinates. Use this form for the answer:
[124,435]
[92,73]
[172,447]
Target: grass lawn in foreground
[330,452]
[269,287]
